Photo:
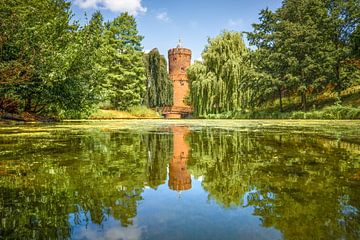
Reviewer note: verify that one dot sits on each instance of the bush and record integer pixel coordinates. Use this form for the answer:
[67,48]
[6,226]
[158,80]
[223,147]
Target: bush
[9,105]
[332,112]
[340,112]
[143,111]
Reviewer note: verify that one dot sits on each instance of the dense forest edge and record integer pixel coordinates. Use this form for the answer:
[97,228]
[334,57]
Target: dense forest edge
[303,62]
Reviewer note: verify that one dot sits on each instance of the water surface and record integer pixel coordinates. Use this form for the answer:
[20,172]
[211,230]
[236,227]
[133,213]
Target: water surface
[199,179]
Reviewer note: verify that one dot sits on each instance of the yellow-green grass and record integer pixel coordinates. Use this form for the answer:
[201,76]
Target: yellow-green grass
[133,113]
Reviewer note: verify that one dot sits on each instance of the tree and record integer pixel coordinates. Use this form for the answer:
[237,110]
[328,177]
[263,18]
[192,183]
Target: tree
[47,63]
[79,81]
[303,46]
[269,58]
[215,83]
[159,89]
[28,42]
[339,25]
[124,62]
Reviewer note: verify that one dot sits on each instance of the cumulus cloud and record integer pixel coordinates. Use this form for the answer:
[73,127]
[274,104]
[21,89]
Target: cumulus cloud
[131,6]
[163,16]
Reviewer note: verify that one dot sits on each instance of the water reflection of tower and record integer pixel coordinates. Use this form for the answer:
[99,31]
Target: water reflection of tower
[179,177]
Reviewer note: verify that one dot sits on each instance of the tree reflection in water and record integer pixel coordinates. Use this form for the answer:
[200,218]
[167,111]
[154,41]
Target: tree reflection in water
[307,187]
[302,185]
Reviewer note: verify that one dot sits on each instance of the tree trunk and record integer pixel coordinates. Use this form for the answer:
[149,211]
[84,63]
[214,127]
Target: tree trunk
[280,99]
[303,100]
[27,107]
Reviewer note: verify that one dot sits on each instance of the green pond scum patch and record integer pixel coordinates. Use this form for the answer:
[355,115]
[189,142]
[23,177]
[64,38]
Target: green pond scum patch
[333,128]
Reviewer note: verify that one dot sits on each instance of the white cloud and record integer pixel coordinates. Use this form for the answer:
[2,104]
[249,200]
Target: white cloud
[163,16]
[235,23]
[131,6]
[112,233]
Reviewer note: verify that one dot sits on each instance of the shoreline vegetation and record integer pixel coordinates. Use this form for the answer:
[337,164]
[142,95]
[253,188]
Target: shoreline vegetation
[303,63]
[325,107]
[327,113]
[100,114]
[328,107]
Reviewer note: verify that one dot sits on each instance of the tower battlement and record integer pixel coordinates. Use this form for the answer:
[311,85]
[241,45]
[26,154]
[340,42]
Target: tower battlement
[179,61]
[184,51]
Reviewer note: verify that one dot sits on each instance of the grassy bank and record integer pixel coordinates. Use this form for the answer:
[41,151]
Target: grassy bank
[133,113]
[346,105]
[100,114]
[330,112]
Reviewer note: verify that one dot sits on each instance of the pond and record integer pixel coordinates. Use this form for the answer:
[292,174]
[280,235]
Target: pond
[194,179]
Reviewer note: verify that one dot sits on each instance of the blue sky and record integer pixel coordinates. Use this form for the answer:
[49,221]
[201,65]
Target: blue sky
[162,22]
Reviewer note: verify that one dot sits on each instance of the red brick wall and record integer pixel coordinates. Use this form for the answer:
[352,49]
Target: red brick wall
[179,61]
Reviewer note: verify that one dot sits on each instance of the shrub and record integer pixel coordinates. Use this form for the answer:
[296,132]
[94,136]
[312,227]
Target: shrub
[332,112]
[9,105]
[143,111]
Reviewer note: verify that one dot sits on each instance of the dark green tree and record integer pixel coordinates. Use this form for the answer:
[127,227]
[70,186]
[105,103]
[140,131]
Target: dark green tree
[340,27]
[304,46]
[159,89]
[268,58]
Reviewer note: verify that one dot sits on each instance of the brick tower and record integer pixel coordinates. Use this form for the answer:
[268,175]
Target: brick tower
[179,61]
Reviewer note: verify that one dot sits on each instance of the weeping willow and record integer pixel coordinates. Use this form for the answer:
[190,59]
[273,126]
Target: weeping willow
[217,83]
[159,90]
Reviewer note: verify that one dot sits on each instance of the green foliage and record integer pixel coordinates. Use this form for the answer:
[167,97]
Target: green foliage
[47,63]
[215,83]
[123,62]
[159,89]
[143,112]
[58,68]
[331,112]
[304,48]
[304,45]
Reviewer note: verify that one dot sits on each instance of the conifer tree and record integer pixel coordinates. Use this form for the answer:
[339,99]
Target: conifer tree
[124,62]
[159,88]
